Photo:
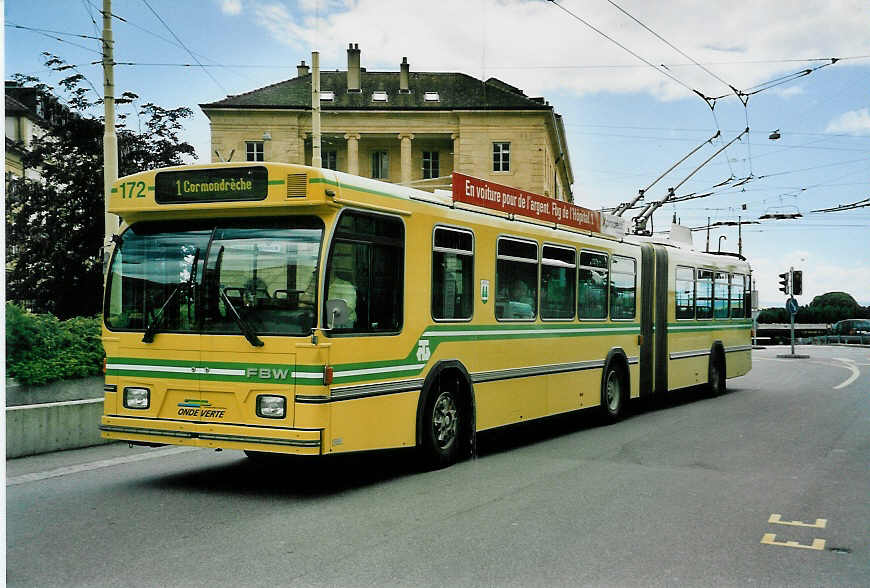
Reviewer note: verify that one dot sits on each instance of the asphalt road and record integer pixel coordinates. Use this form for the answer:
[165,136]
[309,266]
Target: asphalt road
[766,485]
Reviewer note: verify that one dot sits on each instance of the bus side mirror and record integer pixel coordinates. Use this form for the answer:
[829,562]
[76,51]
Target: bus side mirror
[337,312]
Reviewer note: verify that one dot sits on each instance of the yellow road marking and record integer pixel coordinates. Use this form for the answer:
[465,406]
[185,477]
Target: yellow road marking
[777,518]
[770,539]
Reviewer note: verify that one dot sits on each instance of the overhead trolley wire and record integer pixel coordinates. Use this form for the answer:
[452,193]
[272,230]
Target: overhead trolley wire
[36,30]
[214,79]
[623,47]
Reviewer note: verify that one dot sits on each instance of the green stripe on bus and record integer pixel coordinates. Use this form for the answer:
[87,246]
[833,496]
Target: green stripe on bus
[276,182]
[352,187]
[384,369]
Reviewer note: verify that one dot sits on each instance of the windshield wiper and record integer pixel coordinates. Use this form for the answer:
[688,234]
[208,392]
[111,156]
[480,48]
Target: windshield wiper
[246,329]
[151,329]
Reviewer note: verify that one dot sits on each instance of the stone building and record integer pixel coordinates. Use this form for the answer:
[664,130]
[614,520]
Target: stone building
[413,128]
[25,118]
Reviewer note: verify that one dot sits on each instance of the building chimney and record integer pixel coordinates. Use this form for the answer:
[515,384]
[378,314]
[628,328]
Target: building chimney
[403,76]
[302,69]
[353,69]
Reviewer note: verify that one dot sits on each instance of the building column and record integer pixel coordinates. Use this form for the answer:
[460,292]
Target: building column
[455,138]
[352,153]
[406,157]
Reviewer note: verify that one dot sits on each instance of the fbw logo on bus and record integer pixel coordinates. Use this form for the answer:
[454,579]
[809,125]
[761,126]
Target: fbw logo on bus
[267,373]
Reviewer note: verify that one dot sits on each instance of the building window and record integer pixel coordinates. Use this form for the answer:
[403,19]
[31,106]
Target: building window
[254,151]
[327,96]
[380,165]
[501,157]
[329,159]
[431,97]
[431,168]
[379,96]
[452,274]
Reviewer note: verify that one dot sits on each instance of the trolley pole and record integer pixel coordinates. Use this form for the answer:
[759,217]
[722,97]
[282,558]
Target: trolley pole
[110,139]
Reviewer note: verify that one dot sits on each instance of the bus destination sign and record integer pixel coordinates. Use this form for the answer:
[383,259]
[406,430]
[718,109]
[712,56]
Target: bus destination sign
[211,185]
[487,194]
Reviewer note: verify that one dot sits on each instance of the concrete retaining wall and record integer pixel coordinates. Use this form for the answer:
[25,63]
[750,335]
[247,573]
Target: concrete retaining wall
[57,416]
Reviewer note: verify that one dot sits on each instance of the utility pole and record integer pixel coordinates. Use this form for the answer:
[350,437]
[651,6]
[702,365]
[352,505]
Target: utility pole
[110,139]
[316,160]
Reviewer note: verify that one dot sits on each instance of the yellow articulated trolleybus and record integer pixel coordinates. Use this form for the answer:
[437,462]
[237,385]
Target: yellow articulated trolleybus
[277,308]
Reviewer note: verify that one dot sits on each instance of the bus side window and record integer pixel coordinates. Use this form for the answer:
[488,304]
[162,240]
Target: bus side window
[704,296]
[720,295]
[685,293]
[592,291]
[737,281]
[558,279]
[622,287]
[452,274]
[365,269]
[516,279]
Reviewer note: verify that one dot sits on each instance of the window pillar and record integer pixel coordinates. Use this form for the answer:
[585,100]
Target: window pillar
[352,153]
[406,157]
[455,138]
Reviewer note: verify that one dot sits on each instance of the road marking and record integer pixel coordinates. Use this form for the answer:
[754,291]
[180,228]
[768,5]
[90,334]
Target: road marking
[95,465]
[770,539]
[855,372]
[777,518]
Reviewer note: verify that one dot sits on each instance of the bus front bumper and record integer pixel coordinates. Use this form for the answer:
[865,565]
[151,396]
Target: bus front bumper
[213,435]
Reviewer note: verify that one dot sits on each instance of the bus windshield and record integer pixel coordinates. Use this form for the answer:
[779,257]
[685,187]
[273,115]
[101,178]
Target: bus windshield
[253,278]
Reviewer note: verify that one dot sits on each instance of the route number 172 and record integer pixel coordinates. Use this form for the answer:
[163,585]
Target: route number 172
[133,189]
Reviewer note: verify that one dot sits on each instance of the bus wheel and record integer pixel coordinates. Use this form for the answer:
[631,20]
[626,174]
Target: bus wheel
[612,393]
[716,375]
[442,428]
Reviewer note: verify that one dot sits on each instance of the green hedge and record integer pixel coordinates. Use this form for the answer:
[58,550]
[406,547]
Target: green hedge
[41,349]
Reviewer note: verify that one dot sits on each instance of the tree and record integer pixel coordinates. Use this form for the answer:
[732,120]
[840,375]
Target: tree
[54,225]
[825,308]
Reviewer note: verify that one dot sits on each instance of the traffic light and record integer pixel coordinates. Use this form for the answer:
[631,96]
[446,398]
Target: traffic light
[783,283]
[797,286]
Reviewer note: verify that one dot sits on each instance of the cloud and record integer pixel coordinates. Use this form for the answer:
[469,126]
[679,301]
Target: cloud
[231,7]
[541,48]
[788,91]
[854,122]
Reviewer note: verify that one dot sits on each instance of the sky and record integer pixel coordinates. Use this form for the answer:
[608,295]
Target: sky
[629,77]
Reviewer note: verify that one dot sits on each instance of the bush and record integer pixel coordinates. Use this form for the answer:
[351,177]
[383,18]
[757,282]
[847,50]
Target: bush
[41,349]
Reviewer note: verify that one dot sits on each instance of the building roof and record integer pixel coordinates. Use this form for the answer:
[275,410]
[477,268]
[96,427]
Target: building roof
[456,91]
[13,106]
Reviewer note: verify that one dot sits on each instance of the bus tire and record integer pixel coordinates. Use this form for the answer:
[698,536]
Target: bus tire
[716,373]
[614,392]
[443,420]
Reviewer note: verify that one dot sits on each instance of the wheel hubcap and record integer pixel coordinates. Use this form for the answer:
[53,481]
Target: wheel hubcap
[444,422]
[612,392]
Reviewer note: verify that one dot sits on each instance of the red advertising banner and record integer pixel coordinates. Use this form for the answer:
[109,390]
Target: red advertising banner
[506,199]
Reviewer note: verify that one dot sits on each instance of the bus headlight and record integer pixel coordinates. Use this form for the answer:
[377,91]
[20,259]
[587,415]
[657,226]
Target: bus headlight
[139,398]
[271,407]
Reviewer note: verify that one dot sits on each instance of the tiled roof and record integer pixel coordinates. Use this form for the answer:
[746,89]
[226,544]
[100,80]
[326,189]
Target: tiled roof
[456,91]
